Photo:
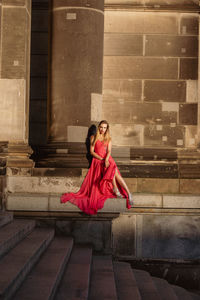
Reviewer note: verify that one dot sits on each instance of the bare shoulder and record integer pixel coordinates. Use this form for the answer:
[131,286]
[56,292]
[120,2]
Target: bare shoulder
[110,142]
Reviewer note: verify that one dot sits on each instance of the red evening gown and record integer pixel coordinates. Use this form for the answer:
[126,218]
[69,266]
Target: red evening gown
[97,185]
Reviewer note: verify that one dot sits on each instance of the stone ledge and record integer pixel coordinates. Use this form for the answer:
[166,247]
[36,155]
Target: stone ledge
[51,202]
[176,201]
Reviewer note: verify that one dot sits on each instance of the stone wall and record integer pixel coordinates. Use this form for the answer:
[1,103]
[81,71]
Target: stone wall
[149,78]
[150,75]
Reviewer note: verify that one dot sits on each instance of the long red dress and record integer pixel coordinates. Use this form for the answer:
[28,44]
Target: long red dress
[97,185]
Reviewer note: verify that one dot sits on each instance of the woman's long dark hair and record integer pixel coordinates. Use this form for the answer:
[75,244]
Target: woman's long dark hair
[91,131]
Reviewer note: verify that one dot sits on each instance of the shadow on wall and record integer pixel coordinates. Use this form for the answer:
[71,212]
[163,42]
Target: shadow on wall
[91,131]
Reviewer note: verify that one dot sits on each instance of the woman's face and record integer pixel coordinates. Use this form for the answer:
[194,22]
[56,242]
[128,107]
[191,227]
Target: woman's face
[102,128]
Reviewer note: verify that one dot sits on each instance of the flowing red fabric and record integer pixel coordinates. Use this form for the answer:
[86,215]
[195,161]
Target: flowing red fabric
[97,185]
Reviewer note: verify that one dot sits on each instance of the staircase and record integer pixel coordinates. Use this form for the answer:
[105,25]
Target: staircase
[37,264]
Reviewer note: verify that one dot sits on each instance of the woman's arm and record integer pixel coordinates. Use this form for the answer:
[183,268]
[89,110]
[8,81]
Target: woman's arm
[92,149]
[108,154]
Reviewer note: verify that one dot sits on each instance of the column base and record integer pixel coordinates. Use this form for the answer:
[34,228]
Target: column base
[15,159]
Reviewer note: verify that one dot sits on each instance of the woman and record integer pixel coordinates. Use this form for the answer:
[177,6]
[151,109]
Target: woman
[103,179]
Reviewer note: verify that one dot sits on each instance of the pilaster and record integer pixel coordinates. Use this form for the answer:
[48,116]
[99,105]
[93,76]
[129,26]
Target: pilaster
[76,68]
[14,81]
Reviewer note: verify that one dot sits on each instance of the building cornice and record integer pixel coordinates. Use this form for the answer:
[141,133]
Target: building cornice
[176,6]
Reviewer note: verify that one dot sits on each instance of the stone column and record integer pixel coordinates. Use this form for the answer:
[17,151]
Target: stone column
[75,84]
[14,81]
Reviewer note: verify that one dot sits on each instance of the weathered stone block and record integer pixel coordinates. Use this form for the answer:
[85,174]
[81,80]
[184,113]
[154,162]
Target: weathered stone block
[12,171]
[191,136]
[188,68]
[141,153]
[189,24]
[124,90]
[96,107]
[47,185]
[12,105]
[27,202]
[188,114]
[115,111]
[56,205]
[38,88]
[170,107]
[139,68]
[181,201]
[170,237]
[147,200]
[190,186]
[124,234]
[14,2]
[126,135]
[168,136]
[140,22]
[123,44]
[144,170]
[114,205]
[132,184]
[192,91]
[152,185]
[77,133]
[180,46]
[173,91]
[57,172]
[189,170]
[139,113]
[121,152]
[95,233]
[14,32]
[39,43]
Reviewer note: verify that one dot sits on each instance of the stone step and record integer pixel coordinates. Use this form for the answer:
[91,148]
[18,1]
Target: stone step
[75,282]
[164,288]
[19,261]
[181,293]
[5,218]
[57,172]
[125,282]
[194,296]
[43,280]
[146,285]
[102,285]
[14,232]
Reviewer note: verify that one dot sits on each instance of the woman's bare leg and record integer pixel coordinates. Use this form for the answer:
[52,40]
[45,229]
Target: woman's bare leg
[121,181]
[114,184]
[117,177]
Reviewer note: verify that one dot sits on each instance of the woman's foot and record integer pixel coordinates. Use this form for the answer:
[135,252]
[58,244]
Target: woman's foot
[117,193]
[130,198]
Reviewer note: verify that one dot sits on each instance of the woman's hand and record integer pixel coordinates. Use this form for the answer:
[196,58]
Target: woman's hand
[107,164]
